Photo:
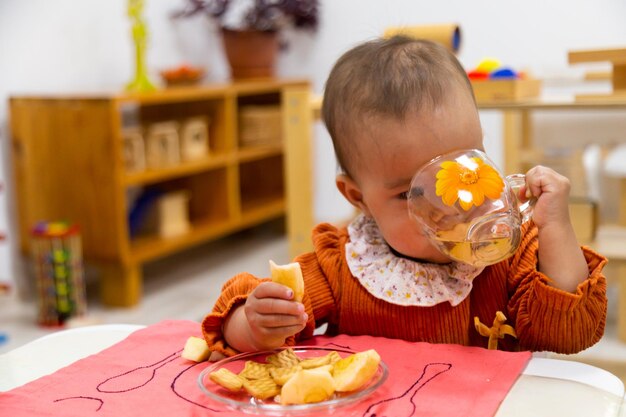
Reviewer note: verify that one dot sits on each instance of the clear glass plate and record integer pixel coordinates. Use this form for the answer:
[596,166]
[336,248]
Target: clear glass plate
[242,401]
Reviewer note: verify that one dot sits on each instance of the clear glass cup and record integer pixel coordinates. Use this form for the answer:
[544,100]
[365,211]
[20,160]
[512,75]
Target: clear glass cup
[468,209]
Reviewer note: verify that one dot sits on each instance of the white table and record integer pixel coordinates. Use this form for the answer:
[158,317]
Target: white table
[54,351]
[547,387]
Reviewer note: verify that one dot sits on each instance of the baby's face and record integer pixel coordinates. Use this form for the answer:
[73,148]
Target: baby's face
[393,152]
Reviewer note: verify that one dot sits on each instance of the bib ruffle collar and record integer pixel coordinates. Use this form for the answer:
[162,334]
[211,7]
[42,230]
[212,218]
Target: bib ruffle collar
[399,280]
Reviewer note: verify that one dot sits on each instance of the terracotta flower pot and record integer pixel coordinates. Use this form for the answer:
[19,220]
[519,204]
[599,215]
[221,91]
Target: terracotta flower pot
[251,54]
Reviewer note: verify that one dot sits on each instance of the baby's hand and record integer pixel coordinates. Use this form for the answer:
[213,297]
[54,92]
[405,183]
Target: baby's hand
[552,192]
[272,315]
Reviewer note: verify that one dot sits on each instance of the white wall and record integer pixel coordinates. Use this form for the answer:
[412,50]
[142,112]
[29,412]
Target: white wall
[83,45]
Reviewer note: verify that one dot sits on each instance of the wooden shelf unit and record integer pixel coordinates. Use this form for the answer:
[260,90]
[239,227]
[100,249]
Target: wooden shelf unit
[67,154]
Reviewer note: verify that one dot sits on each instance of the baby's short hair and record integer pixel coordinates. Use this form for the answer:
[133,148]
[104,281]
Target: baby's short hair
[388,78]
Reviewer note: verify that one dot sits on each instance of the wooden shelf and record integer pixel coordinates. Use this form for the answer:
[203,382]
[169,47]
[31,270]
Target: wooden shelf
[69,161]
[148,248]
[185,94]
[246,154]
[263,209]
[152,247]
[184,169]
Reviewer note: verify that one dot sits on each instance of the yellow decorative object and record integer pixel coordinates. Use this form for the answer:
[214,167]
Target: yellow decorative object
[495,332]
[141,82]
[468,180]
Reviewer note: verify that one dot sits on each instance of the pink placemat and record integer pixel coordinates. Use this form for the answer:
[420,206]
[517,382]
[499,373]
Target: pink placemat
[144,375]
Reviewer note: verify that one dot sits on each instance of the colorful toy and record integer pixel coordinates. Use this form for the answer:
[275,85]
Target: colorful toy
[492,69]
[56,250]
[491,81]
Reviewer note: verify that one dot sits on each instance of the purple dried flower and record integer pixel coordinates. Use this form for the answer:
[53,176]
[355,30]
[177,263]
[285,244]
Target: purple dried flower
[266,15]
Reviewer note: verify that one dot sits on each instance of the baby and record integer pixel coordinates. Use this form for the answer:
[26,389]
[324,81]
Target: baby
[391,106]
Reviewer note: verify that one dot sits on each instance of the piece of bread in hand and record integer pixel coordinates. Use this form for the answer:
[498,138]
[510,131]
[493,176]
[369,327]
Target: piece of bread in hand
[289,275]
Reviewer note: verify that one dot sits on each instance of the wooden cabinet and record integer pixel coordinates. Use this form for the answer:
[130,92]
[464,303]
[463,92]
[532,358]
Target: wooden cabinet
[68,160]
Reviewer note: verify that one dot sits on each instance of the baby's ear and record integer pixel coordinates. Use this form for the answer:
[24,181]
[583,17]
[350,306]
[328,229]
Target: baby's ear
[352,192]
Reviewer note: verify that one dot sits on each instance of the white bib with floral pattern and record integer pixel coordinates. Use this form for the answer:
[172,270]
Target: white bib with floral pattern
[399,280]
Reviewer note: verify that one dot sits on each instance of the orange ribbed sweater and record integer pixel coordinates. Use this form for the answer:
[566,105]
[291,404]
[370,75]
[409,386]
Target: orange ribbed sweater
[544,317]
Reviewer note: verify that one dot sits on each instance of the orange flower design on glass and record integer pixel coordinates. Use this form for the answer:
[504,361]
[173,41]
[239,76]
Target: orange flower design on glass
[468,180]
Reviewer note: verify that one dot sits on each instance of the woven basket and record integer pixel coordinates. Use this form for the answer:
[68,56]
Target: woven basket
[260,125]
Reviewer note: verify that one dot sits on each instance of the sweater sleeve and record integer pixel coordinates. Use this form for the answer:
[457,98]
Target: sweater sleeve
[234,293]
[547,318]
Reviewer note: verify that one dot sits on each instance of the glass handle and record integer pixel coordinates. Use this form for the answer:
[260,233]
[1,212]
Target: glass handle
[517,182]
